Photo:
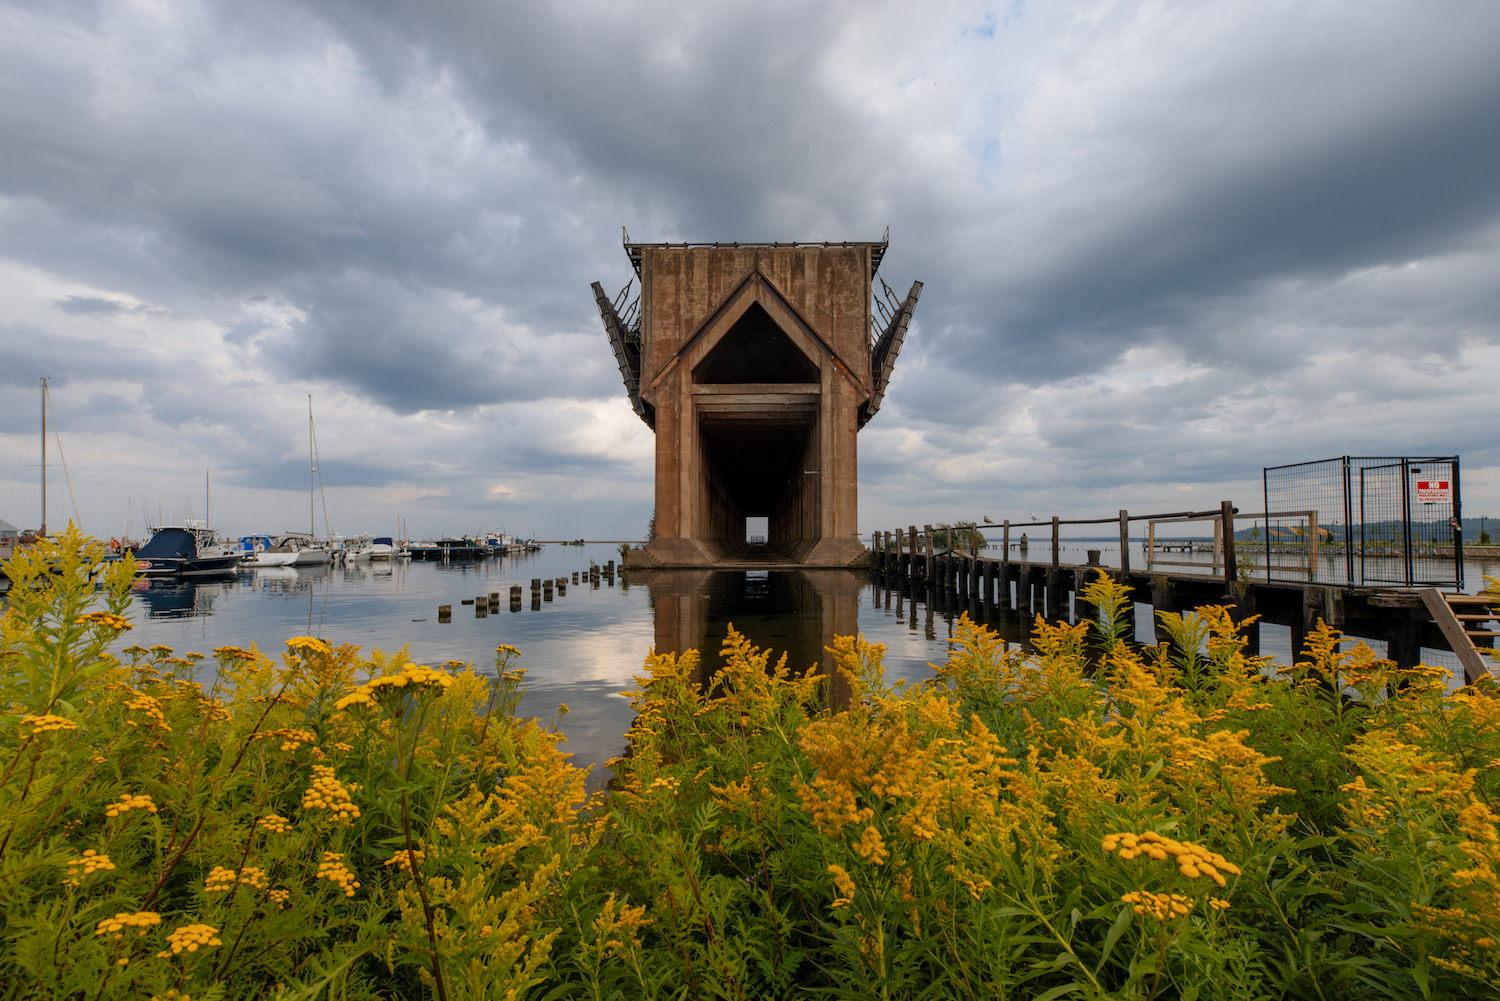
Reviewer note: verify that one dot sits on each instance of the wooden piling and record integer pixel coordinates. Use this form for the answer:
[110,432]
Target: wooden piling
[1403,643]
[1231,572]
[1161,601]
[1124,543]
[928,570]
[1005,565]
[1083,611]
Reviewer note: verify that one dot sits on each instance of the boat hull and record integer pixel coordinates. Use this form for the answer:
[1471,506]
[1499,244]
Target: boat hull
[187,566]
[263,560]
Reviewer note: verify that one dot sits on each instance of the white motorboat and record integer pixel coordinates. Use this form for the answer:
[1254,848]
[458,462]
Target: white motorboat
[359,548]
[307,551]
[264,551]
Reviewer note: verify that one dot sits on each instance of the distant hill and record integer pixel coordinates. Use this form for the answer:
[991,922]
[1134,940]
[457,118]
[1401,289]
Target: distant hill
[1285,533]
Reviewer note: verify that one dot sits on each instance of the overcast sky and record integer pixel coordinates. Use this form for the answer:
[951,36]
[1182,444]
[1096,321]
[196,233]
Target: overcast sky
[1164,245]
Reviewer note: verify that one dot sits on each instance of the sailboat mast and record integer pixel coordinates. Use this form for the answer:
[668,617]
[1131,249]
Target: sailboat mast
[312,523]
[44,456]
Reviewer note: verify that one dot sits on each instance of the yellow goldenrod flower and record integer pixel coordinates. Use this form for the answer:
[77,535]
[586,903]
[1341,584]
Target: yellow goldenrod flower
[403,860]
[116,925]
[871,847]
[128,802]
[328,793]
[92,862]
[105,620]
[151,706]
[291,739]
[424,678]
[1161,906]
[48,723]
[190,938]
[1192,861]
[333,869]
[221,879]
[275,823]
[845,885]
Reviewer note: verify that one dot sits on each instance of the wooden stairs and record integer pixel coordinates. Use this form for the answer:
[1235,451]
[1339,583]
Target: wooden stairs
[1460,617]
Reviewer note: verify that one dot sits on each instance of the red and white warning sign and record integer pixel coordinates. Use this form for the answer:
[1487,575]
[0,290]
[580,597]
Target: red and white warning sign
[1433,492]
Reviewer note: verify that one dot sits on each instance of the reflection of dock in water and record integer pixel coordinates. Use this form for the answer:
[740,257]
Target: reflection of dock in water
[180,599]
[796,612]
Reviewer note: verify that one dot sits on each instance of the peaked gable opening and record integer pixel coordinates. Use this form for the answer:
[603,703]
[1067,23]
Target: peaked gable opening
[755,350]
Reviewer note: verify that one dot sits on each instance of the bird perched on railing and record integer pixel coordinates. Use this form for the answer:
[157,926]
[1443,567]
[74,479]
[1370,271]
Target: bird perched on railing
[987,520]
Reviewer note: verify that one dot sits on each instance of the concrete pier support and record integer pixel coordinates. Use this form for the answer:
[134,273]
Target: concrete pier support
[756,367]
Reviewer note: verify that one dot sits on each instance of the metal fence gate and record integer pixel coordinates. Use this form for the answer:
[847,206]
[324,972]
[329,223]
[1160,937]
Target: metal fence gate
[1364,520]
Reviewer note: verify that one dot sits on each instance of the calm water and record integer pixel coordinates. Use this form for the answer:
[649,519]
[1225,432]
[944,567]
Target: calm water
[584,647]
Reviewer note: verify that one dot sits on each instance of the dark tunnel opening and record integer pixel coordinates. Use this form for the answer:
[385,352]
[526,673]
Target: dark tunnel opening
[763,466]
[755,349]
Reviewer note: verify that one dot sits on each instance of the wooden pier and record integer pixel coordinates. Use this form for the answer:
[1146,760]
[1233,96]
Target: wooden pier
[1406,618]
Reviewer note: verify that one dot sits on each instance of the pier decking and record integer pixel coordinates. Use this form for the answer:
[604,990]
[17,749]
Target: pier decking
[1408,618]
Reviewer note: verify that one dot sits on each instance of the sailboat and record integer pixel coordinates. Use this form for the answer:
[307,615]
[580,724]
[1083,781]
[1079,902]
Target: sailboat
[310,552]
[11,538]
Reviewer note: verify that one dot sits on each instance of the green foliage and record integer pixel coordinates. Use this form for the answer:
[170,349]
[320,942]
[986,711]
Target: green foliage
[1086,819]
[963,537]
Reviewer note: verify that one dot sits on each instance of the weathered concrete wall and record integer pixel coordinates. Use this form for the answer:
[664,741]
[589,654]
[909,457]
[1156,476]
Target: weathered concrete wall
[819,298]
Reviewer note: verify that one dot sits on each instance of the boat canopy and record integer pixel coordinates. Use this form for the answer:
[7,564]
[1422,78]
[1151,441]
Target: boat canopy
[384,540]
[169,543]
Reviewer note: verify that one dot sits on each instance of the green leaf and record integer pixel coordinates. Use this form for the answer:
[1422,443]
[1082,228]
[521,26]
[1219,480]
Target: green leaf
[1113,938]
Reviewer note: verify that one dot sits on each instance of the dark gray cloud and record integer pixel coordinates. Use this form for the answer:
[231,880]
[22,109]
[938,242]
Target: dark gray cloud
[76,304]
[1162,243]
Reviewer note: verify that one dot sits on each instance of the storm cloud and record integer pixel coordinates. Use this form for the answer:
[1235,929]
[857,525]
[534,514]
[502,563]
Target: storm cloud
[1163,244]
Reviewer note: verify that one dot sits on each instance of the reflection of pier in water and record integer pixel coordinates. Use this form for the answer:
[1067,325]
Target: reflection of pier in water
[799,612]
[796,612]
